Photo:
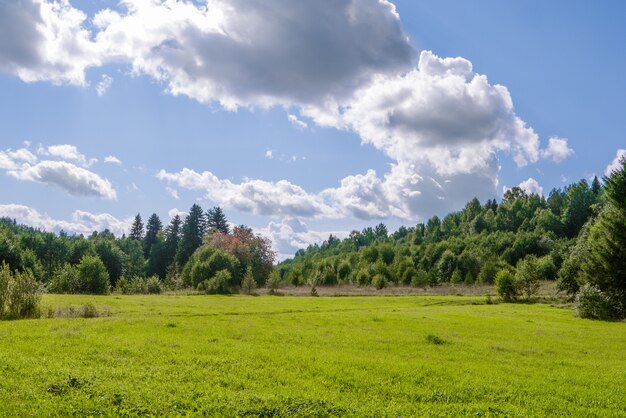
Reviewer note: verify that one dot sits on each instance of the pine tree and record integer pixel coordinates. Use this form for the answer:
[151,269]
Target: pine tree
[596,187]
[192,232]
[136,231]
[216,220]
[172,238]
[605,265]
[152,230]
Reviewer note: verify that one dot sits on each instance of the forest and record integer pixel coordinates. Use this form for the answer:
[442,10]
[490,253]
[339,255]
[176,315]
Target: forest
[576,237]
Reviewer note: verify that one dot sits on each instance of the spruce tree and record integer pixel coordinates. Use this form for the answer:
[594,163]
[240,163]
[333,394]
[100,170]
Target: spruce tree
[172,238]
[152,230]
[192,232]
[136,231]
[605,265]
[216,220]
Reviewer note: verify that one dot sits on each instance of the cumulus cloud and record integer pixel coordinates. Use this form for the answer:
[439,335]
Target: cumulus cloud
[557,150]
[291,234]
[615,165]
[70,153]
[254,52]
[269,154]
[24,165]
[41,40]
[82,222]
[104,84]
[441,112]
[111,159]
[73,179]
[531,186]
[260,197]
[401,193]
[174,211]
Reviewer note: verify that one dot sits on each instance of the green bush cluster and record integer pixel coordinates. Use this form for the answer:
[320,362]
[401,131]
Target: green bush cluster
[19,297]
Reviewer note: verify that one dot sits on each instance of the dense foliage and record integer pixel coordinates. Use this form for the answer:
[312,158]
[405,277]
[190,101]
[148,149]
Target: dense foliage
[150,259]
[525,233]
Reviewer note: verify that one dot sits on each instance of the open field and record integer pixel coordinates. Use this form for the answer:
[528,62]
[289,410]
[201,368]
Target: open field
[277,356]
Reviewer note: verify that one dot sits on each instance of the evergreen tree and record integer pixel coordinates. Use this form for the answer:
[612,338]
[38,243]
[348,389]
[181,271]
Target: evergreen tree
[605,265]
[216,220]
[136,231]
[152,230]
[172,238]
[596,187]
[192,232]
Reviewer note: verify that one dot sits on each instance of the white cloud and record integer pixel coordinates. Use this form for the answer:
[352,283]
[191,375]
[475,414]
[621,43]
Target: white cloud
[73,179]
[254,52]
[616,164]
[82,222]
[297,122]
[69,153]
[111,159]
[174,211]
[530,186]
[22,154]
[269,154]
[291,234]
[172,192]
[42,40]
[260,197]
[104,84]
[557,150]
[441,112]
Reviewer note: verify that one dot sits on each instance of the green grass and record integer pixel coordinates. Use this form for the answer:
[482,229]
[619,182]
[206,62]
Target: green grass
[299,356]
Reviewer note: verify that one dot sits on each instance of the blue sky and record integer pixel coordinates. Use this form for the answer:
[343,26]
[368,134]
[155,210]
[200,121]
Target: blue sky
[298,118]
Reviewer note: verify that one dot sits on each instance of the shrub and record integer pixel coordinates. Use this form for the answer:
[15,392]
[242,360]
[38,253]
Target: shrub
[248,284]
[153,285]
[64,280]
[528,276]
[420,279]
[592,303]
[363,278]
[506,287]
[93,276]
[379,281]
[273,282]
[18,294]
[218,284]
[123,286]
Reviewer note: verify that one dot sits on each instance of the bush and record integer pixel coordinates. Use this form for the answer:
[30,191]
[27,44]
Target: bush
[64,280]
[273,282]
[506,287]
[363,278]
[379,281]
[420,279]
[18,294]
[248,284]
[592,303]
[140,285]
[123,286]
[93,276]
[528,277]
[218,284]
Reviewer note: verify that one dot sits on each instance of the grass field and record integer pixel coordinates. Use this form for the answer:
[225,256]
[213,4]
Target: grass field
[303,356]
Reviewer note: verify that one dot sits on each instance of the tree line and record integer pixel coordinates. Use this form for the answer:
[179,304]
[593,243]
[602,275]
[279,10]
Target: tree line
[185,253]
[576,236]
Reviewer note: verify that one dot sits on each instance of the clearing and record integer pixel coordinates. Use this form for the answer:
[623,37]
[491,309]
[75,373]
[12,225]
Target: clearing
[327,356]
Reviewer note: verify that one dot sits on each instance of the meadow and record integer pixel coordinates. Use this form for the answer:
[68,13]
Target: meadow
[311,356]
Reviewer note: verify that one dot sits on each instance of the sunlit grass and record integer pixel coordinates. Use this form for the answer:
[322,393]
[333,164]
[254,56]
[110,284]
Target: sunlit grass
[277,356]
